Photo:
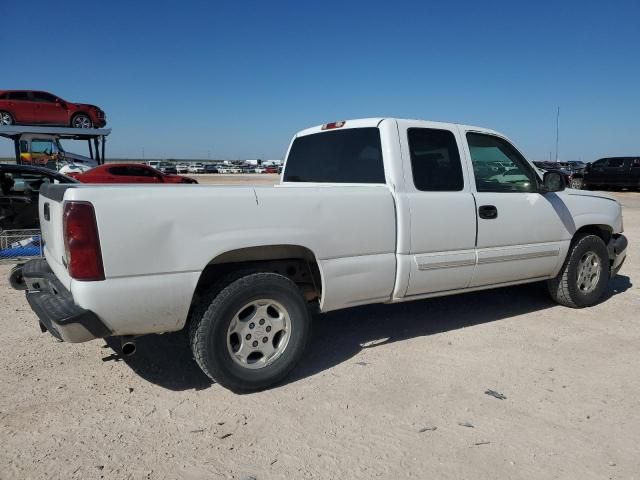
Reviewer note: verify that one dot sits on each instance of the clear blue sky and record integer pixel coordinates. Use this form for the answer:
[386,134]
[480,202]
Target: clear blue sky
[238,79]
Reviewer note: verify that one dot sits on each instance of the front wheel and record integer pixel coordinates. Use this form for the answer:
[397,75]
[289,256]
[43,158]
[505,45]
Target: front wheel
[584,275]
[576,183]
[81,120]
[6,118]
[252,333]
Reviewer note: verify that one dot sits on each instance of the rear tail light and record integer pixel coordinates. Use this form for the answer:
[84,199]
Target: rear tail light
[81,242]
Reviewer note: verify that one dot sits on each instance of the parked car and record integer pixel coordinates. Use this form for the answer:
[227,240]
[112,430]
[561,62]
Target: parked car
[229,169]
[30,107]
[617,172]
[196,168]
[20,188]
[377,210]
[167,168]
[270,170]
[182,168]
[210,168]
[128,173]
[575,166]
[571,179]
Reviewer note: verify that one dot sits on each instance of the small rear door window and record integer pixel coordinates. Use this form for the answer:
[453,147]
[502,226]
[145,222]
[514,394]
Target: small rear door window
[342,156]
[435,160]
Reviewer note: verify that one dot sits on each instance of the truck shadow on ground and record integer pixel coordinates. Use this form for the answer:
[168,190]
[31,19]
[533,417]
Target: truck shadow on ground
[166,360]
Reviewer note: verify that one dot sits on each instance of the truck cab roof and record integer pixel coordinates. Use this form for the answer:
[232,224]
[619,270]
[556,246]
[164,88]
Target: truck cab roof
[376,121]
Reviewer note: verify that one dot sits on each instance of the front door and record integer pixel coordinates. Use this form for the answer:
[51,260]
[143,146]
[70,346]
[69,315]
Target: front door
[48,109]
[522,234]
[442,210]
[596,172]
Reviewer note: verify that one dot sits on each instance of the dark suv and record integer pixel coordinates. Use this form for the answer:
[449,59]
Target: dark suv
[29,107]
[613,172]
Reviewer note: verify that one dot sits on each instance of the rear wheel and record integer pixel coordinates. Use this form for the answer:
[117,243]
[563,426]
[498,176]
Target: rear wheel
[252,333]
[81,120]
[584,275]
[6,118]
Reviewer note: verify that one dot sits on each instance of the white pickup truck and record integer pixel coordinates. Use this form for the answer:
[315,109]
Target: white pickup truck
[375,210]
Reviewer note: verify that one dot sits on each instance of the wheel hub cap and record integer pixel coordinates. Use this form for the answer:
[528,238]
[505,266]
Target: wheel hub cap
[589,268]
[82,122]
[258,333]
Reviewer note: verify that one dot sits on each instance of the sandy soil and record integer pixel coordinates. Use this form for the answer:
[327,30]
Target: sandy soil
[384,392]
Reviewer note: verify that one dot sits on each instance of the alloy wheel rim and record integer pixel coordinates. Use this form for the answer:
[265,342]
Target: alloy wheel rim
[82,121]
[588,273]
[258,333]
[5,119]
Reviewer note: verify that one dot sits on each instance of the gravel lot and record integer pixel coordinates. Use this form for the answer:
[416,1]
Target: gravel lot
[384,392]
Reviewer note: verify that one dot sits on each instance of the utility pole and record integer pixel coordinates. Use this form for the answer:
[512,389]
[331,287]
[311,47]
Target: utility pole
[557,130]
[142,153]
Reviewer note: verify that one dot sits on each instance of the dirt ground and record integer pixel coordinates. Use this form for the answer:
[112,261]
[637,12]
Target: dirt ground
[383,392]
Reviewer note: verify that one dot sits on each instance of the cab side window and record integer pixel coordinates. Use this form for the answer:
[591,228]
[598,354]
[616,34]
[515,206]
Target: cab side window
[616,162]
[43,97]
[600,163]
[498,166]
[435,160]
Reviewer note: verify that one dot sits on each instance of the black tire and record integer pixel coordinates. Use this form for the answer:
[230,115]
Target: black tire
[209,330]
[6,118]
[16,280]
[81,120]
[577,183]
[565,289]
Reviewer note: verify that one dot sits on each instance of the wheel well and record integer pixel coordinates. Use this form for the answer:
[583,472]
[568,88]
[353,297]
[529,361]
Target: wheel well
[603,231]
[86,114]
[294,262]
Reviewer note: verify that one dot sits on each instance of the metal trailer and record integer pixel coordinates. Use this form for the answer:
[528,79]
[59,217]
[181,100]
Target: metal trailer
[95,137]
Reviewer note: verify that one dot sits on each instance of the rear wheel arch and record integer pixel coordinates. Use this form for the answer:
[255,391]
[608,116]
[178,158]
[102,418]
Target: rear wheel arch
[295,262]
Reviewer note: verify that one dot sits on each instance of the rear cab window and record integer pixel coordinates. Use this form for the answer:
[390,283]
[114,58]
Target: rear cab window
[352,155]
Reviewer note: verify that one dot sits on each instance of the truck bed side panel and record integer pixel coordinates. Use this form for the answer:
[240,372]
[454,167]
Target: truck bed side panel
[173,232]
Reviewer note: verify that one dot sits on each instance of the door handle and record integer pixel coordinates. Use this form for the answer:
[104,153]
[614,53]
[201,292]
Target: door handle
[488,212]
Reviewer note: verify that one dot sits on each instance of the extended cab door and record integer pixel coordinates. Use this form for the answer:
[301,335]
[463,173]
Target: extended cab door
[521,233]
[442,223]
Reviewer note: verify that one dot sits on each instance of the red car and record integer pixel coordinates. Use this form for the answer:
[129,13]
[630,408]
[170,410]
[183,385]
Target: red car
[128,173]
[30,107]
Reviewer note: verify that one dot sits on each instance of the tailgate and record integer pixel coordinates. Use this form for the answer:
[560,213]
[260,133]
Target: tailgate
[50,213]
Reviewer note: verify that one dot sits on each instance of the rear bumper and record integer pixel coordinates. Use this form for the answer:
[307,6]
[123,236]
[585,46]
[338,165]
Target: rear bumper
[617,252]
[55,307]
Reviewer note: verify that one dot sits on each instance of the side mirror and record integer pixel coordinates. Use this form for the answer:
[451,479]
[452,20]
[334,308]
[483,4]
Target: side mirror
[552,182]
